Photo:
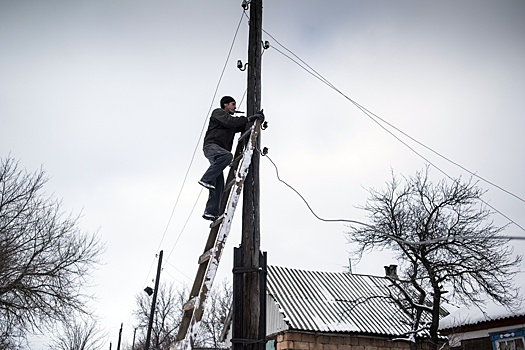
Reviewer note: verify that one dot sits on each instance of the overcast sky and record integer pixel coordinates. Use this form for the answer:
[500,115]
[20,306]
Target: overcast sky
[110,98]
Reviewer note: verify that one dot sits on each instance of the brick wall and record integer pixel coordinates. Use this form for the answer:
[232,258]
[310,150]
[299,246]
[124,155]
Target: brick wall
[477,344]
[313,341]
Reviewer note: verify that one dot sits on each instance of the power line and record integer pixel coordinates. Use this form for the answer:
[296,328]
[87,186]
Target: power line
[424,242]
[240,103]
[448,159]
[366,112]
[196,201]
[191,212]
[456,238]
[179,270]
[200,137]
[185,223]
[151,266]
[317,75]
[202,129]
[173,277]
[306,202]
[372,116]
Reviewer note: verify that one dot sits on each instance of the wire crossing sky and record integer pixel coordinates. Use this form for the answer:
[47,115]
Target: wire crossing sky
[375,118]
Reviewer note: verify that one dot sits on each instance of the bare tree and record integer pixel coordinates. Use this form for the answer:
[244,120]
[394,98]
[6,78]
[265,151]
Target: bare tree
[44,257]
[168,315]
[11,337]
[218,304]
[82,333]
[445,242]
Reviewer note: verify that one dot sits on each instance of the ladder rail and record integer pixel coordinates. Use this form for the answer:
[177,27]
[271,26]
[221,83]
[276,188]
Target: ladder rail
[209,260]
[212,237]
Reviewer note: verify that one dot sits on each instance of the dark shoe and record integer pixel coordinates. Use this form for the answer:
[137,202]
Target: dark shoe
[207,185]
[210,217]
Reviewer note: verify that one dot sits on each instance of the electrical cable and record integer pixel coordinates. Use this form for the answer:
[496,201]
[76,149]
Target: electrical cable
[446,158]
[193,208]
[196,201]
[179,271]
[168,264]
[370,114]
[455,238]
[306,202]
[240,103]
[324,80]
[199,140]
[184,226]
[365,111]
[425,242]
[173,277]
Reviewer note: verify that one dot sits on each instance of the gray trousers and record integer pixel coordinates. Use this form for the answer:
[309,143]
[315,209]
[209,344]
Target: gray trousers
[219,159]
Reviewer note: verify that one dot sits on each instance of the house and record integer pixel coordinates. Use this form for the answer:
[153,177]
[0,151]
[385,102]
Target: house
[313,310]
[493,328]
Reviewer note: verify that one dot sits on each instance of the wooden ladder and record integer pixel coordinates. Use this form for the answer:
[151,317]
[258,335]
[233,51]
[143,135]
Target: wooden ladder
[219,230]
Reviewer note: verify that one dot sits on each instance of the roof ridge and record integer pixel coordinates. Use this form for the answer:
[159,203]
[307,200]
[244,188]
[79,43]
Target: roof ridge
[319,271]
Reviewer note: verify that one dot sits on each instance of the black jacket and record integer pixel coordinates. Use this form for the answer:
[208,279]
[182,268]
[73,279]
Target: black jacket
[222,128]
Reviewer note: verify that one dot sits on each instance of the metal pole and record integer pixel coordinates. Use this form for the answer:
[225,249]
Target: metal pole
[153,302]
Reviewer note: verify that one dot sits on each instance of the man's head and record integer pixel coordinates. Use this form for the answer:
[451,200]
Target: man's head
[228,104]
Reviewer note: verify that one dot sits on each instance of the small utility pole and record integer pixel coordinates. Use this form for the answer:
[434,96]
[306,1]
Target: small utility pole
[154,301]
[120,336]
[250,243]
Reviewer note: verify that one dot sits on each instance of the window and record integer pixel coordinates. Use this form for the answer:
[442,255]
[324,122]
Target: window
[512,339]
[510,344]
[270,344]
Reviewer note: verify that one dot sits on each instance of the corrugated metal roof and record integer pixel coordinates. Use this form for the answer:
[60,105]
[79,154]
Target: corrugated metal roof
[488,311]
[473,315]
[336,302]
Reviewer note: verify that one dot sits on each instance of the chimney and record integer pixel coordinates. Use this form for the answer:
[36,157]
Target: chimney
[391,271]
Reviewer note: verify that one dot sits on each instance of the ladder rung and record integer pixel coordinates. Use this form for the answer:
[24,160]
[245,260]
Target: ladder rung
[217,222]
[230,184]
[205,256]
[244,135]
[190,304]
[236,160]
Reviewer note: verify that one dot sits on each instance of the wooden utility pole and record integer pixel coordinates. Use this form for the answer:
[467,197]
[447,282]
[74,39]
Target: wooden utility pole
[120,336]
[251,214]
[153,302]
[250,243]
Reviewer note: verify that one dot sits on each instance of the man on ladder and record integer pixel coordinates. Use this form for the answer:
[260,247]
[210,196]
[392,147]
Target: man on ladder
[218,143]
